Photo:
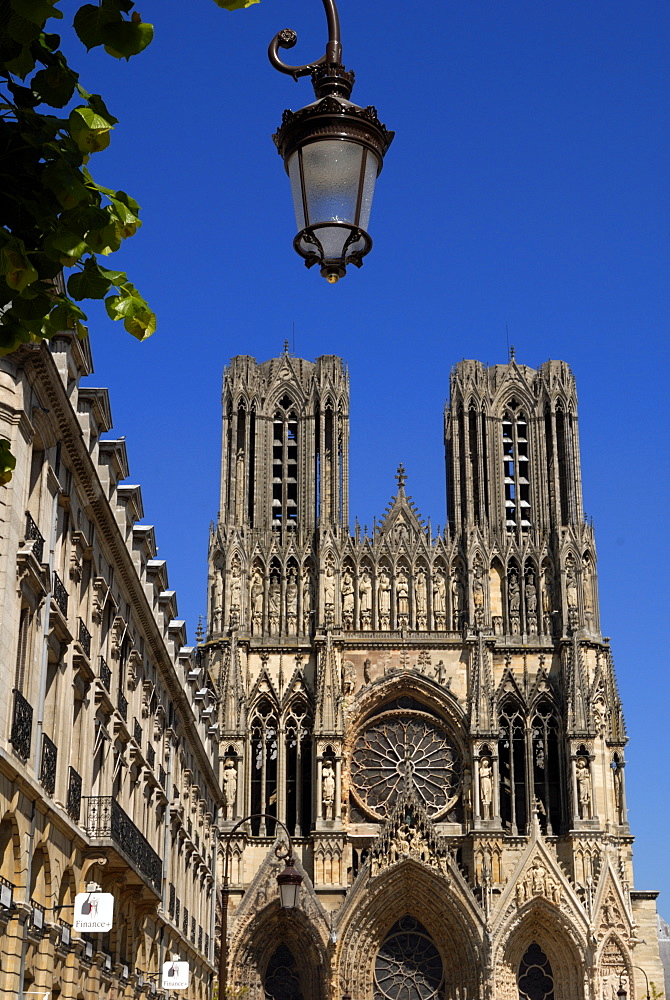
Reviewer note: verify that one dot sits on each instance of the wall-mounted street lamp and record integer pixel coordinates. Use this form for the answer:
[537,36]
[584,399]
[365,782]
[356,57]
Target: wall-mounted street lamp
[622,993]
[289,881]
[333,152]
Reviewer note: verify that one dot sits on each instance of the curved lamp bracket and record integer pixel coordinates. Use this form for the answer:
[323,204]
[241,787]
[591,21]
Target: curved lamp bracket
[287,38]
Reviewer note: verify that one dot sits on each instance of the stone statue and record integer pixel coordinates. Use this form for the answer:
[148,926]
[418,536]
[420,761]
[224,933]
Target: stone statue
[384,594]
[366,670]
[229,788]
[328,790]
[583,788]
[235,585]
[439,595]
[467,792]
[292,592]
[329,586]
[306,599]
[420,593]
[571,582]
[365,593]
[486,788]
[457,597]
[402,595]
[257,592]
[347,592]
[513,600]
[274,594]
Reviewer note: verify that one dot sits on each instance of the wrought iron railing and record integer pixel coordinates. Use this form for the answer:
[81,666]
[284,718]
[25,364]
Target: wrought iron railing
[105,818]
[207,945]
[84,637]
[151,755]
[34,535]
[65,932]
[22,725]
[105,674]
[177,908]
[74,795]
[185,922]
[137,732]
[60,595]
[48,765]
[193,930]
[161,775]
[172,899]
[199,938]
[122,705]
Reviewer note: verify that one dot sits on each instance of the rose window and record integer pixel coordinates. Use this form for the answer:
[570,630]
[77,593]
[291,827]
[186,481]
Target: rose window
[403,746]
[408,965]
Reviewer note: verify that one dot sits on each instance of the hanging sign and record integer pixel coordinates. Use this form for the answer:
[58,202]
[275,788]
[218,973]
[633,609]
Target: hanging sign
[93,912]
[175,976]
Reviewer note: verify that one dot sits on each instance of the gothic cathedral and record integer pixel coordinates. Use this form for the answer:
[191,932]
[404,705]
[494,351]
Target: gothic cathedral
[434,718]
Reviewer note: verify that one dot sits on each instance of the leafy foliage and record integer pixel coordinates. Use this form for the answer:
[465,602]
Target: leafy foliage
[56,217]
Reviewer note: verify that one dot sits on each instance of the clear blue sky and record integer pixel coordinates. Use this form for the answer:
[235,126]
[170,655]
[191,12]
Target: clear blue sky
[527,188]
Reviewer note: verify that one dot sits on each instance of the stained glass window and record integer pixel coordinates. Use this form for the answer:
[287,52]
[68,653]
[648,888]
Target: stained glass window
[408,965]
[411,745]
[281,978]
[536,980]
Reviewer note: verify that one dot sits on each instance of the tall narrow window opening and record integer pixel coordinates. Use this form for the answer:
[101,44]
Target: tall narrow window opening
[562,446]
[546,767]
[516,468]
[512,758]
[264,767]
[298,769]
[536,979]
[282,981]
[284,467]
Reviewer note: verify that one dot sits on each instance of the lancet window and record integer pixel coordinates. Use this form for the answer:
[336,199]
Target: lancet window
[547,767]
[512,756]
[516,468]
[298,737]
[281,766]
[284,466]
[264,766]
[531,772]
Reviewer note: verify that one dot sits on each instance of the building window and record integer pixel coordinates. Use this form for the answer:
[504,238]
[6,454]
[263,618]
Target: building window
[516,468]
[536,980]
[284,467]
[408,965]
[281,978]
[512,756]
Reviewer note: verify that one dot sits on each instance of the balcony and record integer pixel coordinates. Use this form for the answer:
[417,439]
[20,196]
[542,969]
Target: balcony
[48,765]
[137,732]
[60,595]
[151,755]
[122,705]
[105,819]
[105,674]
[74,795]
[6,893]
[84,638]
[34,535]
[22,725]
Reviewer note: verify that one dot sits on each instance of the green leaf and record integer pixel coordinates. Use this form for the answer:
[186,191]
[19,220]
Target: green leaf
[96,102]
[141,324]
[89,130]
[55,85]
[66,247]
[89,22]
[234,4]
[37,11]
[31,309]
[66,183]
[16,268]
[7,463]
[114,277]
[106,240]
[124,39]
[89,283]
[129,222]
[22,30]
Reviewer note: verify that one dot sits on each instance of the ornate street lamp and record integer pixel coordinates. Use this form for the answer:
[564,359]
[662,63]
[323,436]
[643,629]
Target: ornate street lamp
[622,993]
[333,152]
[288,881]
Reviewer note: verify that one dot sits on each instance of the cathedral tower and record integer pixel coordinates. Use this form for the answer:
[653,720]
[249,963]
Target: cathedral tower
[434,718]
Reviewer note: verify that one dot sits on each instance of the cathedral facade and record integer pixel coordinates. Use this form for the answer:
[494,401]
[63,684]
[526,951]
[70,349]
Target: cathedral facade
[433,718]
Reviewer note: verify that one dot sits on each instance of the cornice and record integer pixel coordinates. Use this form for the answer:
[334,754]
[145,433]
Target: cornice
[39,363]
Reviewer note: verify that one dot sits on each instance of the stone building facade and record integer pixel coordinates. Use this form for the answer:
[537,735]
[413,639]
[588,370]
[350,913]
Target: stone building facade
[108,744]
[434,718]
